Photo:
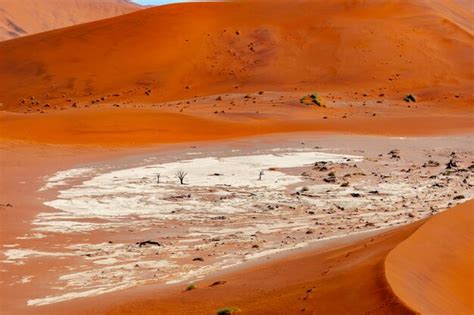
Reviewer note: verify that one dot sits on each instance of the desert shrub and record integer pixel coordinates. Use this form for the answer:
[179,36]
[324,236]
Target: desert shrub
[312,99]
[316,100]
[410,98]
[191,287]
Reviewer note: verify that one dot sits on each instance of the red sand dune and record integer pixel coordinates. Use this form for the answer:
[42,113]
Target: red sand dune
[26,17]
[183,50]
[432,271]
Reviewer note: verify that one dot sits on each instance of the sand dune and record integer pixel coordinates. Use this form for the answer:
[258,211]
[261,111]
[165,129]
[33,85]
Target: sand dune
[432,271]
[25,17]
[179,51]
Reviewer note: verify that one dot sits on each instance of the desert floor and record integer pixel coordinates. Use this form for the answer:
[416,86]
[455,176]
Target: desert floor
[77,237]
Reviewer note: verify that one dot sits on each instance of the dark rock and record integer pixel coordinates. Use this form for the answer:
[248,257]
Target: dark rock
[218,283]
[149,242]
[451,164]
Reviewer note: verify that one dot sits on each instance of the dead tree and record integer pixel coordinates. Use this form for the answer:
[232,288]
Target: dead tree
[260,175]
[158,178]
[180,174]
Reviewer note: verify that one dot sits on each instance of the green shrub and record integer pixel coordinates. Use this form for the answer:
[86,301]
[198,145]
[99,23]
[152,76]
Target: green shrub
[410,98]
[312,98]
[191,287]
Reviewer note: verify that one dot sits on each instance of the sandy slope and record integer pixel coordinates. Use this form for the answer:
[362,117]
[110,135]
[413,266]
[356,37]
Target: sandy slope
[432,271]
[179,51]
[26,17]
[141,126]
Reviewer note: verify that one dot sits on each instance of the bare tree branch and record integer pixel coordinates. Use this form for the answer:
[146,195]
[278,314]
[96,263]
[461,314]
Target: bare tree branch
[180,174]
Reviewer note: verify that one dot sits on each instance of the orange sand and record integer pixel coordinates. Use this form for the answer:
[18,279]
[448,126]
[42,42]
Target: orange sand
[26,17]
[137,127]
[182,50]
[432,270]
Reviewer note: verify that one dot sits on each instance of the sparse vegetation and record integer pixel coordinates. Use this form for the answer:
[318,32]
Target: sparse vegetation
[191,287]
[180,174]
[228,310]
[312,99]
[410,98]
[260,174]
[158,178]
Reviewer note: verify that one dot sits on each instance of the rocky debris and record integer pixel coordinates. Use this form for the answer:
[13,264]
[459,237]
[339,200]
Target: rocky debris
[220,217]
[325,210]
[331,178]
[431,163]
[394,154]
[321,166]
[149,242]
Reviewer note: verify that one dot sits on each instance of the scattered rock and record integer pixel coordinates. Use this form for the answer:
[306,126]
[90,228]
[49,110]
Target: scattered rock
[394,154]
[431,163]
[149,242]
[331,178]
